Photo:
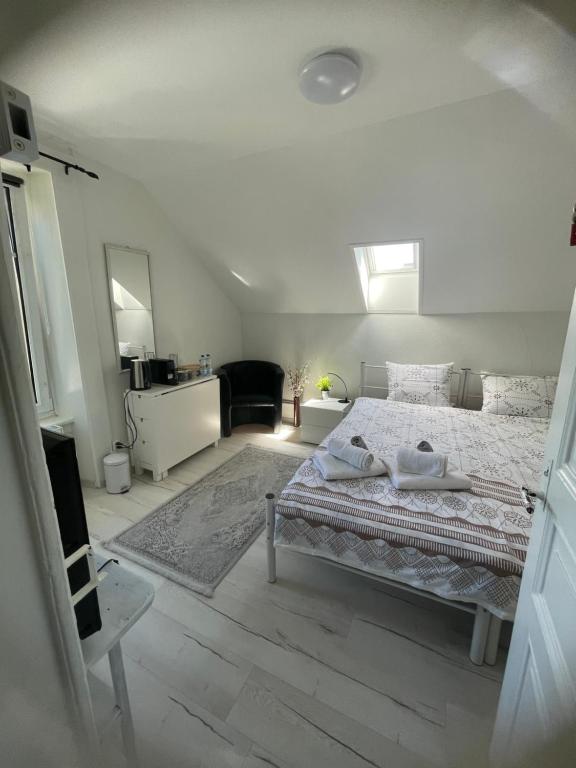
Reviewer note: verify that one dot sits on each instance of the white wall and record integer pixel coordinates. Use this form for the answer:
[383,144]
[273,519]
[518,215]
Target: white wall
[192,315]
[488,184]
[504,342]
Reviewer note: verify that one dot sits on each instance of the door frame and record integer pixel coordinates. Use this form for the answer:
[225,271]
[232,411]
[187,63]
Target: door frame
[17,397]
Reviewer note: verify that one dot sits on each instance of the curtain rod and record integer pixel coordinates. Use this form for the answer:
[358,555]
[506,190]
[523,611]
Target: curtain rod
[13,181]
[68,165]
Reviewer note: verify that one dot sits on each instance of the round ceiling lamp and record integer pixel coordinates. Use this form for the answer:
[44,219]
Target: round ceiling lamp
[329,78]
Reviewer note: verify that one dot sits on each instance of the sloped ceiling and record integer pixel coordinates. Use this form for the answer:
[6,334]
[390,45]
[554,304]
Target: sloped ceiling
[461,132]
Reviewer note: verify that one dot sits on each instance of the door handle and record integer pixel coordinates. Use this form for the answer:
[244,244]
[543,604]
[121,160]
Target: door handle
[542,496]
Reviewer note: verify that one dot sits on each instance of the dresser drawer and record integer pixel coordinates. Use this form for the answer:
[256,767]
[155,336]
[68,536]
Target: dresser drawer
[174,423]
[145,446]
[323,413]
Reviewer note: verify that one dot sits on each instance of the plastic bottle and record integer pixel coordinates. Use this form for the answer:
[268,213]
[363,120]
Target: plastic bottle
[208,365]
[202,365]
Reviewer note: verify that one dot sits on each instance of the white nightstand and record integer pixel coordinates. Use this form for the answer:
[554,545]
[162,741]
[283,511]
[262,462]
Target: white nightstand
[319,417]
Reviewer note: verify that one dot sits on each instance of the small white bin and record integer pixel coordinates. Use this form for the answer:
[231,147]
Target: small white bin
[117,472]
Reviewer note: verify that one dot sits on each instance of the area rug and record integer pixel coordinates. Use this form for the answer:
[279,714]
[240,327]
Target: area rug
[196,537]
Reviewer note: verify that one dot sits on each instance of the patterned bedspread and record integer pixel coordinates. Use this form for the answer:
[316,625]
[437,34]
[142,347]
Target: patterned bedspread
[462,545]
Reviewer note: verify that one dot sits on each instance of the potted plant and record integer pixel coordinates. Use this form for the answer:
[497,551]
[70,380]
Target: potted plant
[298,377]
[324,384]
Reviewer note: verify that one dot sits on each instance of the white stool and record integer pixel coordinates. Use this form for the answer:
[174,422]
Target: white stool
[123,598]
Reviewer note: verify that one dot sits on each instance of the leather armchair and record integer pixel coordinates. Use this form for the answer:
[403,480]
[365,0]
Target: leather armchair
[250,393]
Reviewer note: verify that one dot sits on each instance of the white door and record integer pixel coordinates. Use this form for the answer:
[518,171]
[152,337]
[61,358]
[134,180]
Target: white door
[536,721]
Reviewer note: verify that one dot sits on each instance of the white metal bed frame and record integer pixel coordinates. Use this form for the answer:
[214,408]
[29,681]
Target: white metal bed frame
[487,627]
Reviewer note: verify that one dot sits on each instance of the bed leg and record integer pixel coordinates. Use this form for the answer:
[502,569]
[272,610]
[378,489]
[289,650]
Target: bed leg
[493,640]
[270,525]
[479,636]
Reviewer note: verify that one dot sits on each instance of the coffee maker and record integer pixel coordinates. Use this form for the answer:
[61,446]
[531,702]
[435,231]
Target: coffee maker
[163,370]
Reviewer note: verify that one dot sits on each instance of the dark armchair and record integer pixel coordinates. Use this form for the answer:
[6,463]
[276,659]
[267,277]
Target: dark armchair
[250,393]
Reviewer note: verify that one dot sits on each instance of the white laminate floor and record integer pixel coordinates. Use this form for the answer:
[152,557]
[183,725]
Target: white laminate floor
[324,669]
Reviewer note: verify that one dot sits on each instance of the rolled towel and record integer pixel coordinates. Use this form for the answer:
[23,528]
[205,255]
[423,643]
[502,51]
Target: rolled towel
[421,462]
[344,450]
[332,468]
[453,480]
[358,441]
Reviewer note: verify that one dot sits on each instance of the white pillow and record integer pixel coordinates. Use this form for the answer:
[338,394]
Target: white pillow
[531,396]
[420,384]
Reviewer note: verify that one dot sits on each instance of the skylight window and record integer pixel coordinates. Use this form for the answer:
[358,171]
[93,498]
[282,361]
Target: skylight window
[392,257]
[390,275]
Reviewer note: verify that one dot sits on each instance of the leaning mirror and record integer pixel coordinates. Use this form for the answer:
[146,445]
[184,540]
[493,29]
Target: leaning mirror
[131,303]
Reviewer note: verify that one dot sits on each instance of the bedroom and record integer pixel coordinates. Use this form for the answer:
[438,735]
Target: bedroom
[254,212]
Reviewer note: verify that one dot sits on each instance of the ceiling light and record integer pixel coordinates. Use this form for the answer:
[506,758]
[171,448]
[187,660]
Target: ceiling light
[329,78]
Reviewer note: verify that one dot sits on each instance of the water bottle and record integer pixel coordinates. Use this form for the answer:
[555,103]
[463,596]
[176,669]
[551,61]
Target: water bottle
[208,365]
[202,365]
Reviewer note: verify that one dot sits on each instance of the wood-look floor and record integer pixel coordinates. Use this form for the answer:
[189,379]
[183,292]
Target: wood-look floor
[324,669]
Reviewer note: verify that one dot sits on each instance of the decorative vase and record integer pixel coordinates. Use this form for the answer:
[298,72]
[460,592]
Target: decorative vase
[296,411]
[325,394]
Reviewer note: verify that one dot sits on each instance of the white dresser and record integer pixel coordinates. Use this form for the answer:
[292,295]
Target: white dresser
[319,417]
[174,422]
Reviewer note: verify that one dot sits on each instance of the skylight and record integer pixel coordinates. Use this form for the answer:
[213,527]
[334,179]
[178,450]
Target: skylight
[390,275]
[392,257]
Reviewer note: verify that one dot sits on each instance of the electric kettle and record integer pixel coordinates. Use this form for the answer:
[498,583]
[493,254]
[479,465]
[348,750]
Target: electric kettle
[140,374]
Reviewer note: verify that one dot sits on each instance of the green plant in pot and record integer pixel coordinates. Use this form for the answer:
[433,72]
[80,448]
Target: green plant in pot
[324,384]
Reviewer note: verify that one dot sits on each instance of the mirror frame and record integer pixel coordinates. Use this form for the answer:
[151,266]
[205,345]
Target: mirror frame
[107,248]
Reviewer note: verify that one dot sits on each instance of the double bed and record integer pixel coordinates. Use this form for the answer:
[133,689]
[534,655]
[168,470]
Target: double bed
[466,547]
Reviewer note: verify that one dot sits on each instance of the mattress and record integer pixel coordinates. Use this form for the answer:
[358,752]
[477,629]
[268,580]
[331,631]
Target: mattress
[461,545]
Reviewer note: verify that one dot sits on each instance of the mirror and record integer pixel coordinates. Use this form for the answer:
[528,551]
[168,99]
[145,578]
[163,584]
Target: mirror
[131,303]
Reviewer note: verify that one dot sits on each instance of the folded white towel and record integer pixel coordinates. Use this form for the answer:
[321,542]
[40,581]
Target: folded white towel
[332,468]
[453,480]
[344,450]
[421,462]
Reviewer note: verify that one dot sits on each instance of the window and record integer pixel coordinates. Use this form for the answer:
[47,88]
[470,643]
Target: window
[390,275]
[392,257]
[28,299]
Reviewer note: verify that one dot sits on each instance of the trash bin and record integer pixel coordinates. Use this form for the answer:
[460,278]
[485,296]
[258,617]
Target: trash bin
[117,472]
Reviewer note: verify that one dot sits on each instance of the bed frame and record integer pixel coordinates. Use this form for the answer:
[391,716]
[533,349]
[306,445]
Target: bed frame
[487,627]
[486,632]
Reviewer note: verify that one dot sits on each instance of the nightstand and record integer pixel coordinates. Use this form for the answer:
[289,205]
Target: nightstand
[319,417]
